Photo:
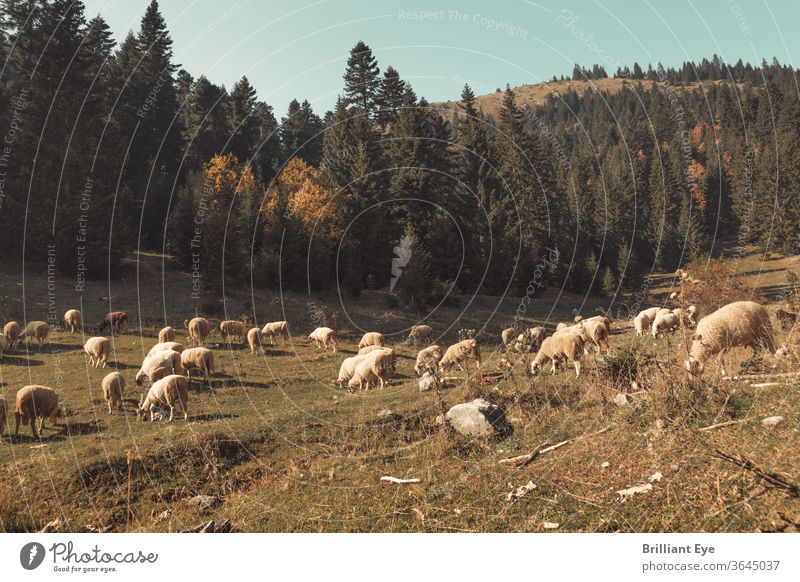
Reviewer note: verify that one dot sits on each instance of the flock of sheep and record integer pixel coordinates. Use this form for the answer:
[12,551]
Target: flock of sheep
[168,366]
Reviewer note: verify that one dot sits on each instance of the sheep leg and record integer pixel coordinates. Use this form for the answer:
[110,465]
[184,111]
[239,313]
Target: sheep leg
[33,427]
[152,412]
[18,418]
[577,368]
[721,360]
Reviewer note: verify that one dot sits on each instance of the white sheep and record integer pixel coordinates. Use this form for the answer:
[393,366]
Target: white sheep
[564,346]
[507,335]
[73,319]
[348,369]
[743,323]
[371,338]
[367,349]
[166,334]
[276,328]
[595,332]
[665,322]
[12,330]
[375,367]
[420,334]
[232,329]
[170,391]
[644,319]
[163,346]
[255,340]
[99,350]
[158,365]
[322,337]
[461,352]
[36,402]
[198,359]
[428,359]
[197,330]
[37,330]
[530,339]
[113,389]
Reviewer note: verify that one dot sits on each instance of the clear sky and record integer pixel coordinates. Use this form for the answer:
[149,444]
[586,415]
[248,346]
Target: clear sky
[298,48]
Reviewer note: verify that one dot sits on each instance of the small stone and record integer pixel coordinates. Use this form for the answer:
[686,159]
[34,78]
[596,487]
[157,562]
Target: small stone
[656,477]
[521,491]
[772,421]
[550,525]
[477,418]
[605,465]
[205,502]
[387,414]
[621,399]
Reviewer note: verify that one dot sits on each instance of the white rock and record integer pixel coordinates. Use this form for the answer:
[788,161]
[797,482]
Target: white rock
[656,477]
[605,465]
[631,491]
[477,418]
[550,525]
[521,491]
[621,399]
[772,421]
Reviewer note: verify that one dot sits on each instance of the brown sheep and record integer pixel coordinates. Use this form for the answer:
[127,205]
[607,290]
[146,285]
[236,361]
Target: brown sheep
[116,321]
[113,389]
[36,402]
[12,331]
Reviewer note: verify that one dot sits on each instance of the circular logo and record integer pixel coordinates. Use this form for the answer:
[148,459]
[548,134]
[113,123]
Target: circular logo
[31,555]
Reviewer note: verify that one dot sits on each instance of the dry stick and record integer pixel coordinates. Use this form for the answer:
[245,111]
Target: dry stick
[722,424]
[771,478]
[523,460]
[130,478]
[761,376]
[399,481]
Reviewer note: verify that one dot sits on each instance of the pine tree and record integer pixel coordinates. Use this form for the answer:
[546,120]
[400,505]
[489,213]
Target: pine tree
[390,97]
[362,80]
[243,122]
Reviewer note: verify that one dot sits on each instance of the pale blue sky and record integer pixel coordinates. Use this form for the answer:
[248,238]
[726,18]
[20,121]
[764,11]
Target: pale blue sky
[298,48]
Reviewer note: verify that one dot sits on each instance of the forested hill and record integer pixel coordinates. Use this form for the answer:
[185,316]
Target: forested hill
[112,148]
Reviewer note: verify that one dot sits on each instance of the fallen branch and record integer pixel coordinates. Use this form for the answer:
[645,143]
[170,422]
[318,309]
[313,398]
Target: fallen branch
[399,481]
[772,478]
[522,460]
[762,376]
[723,424]
[765,384]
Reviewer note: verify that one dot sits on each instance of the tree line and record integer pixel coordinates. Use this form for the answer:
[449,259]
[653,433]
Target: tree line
[110,148]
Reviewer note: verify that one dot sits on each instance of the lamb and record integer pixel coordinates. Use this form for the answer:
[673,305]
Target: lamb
[3,416]
[98,349]
[664,322]
[171,391]
[167,334]
[36,402]
[276,328]
[231,328]
[162,346]
[420,334]
[73,319]
[198,359]
[461,352]
[644,320]
[560,347]
[198,329]
[116,321]
[374,367]
[255,340]
[428,359]
[743,323]
[322,336]
[12,330]
[113,389]
[37,330]
[158,365]
[371,338]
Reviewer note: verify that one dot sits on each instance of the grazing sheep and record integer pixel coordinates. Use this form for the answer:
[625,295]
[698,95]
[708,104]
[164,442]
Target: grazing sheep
[743,323]
[374,367]
[276,328]
[665,322]
[12,330]
[428,359]
[563,325]
[231,329]
[557,348]
[99,350]
[113,389]
[36,402]
[3,416]
[198,359]
[167,334]
[530,339]
[786,319]
[368,349]
[73,319]
[116,321]
[322,336]
[507,335]
[420,334]
[461,352]
[596,333]
[644,320]
[3,344]
[37,330]
[371,338]
[602,318]
[198,329]
[348,369]
[169,391]
[158,365]
[162,346]
[255,340]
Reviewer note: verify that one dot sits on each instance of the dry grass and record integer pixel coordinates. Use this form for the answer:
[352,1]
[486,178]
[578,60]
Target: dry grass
[288,451]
